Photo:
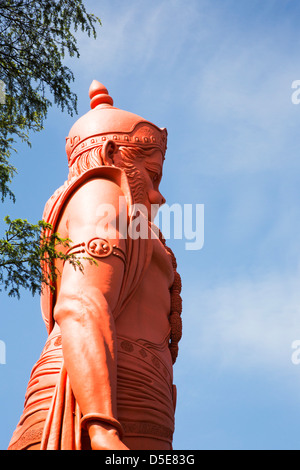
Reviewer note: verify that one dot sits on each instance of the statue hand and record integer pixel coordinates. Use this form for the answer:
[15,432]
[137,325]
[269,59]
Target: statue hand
[104,437]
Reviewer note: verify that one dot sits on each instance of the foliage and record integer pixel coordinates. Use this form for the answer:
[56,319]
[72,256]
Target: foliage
[23,250]
[35,36]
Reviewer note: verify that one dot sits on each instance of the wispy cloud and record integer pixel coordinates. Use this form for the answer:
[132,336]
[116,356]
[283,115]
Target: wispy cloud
[244,97]
[245,323]
[138,35]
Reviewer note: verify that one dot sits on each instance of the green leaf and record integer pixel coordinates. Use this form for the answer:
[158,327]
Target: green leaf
[27,256]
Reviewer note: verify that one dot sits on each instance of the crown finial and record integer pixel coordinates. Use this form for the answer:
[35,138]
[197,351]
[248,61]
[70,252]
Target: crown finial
[99,94]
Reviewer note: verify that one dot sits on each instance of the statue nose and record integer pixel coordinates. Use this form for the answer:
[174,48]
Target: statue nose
[155,197]
[163,200]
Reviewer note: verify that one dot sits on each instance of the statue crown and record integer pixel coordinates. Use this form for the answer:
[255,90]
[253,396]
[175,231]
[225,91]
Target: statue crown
[106,122]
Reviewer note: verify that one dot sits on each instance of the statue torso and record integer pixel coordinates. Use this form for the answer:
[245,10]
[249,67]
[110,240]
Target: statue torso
[145,317]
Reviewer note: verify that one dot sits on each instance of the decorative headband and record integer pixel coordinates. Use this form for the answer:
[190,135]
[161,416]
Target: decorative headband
[143,135]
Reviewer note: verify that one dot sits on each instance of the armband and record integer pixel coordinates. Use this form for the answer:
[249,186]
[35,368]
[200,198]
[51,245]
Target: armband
[98,248]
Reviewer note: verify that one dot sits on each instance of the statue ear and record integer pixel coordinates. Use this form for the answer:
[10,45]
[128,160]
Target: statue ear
[107,152]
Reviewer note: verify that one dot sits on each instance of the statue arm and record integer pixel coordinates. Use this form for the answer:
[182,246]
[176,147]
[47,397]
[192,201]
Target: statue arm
[84,313]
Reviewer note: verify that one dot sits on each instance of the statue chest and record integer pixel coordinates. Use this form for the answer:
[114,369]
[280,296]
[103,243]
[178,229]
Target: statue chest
[146,316]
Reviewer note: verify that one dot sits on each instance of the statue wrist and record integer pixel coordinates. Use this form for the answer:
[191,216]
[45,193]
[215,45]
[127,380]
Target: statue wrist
[104,421]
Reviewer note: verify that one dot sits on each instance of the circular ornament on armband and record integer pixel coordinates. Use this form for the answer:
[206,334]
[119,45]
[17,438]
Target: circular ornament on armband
[99,248]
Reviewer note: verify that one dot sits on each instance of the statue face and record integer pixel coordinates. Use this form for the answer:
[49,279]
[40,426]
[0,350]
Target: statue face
[144,176]
[150,169]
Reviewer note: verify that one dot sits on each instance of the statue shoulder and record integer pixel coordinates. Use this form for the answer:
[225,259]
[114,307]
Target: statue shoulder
[94,199]
[96,190]
[101,185]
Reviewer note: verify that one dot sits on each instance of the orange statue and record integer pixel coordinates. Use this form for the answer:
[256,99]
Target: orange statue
[104,380]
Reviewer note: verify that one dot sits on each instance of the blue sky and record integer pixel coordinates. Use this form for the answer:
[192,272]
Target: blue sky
[218,75]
